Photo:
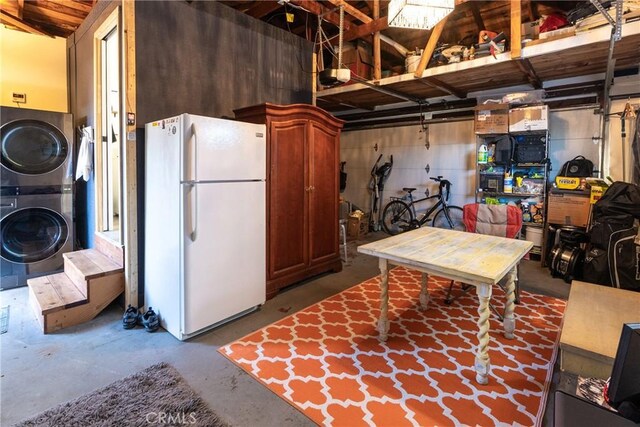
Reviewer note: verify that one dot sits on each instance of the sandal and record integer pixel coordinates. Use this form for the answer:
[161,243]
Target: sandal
[150,320]
[130,318]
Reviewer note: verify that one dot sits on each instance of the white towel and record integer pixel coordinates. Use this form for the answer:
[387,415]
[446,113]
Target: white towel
[83,168]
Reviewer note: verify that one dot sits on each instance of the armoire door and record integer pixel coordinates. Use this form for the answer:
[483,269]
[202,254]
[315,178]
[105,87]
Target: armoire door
[288,198]
[324,194]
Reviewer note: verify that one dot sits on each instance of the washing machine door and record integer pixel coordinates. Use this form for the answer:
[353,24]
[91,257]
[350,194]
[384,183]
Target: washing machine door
[32,147]
[32,234]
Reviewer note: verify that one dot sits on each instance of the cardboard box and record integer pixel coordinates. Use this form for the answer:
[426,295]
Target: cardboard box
[568,209]
[357,226]
[529,118]
[491,118]
[530,30]
[358,58]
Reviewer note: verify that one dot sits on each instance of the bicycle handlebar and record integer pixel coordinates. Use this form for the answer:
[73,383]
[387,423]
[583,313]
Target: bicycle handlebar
[438,179]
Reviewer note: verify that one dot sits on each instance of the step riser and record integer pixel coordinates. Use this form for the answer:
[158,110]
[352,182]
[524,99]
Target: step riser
[109,249]
[76,276]
[103,291]
[37,310]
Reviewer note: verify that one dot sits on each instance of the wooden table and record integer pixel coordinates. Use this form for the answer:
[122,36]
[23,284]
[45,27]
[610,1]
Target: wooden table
[476,259]
[592,325]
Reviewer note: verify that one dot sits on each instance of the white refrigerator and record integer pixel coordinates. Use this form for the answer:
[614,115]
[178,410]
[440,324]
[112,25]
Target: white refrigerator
[205,232]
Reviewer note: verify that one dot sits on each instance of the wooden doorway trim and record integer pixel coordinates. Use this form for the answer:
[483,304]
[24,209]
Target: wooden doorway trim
[130,188]
[112,22]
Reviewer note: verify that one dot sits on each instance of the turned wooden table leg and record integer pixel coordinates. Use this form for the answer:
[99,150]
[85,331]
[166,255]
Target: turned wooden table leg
[509,322]
[383,322]
[482,364]
[424,292]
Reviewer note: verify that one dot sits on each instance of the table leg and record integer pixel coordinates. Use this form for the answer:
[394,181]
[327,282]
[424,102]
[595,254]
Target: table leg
[383,322]
[424,292]
[482,364]
[509,322]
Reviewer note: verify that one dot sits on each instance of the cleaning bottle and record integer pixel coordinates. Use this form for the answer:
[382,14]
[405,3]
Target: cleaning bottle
[482,154]
[508,183]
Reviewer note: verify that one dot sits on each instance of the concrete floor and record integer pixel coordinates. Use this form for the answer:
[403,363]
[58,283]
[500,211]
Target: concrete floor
[40,371]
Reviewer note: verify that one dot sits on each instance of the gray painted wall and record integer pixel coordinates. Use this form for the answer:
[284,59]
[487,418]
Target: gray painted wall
[206,58]
[197,57]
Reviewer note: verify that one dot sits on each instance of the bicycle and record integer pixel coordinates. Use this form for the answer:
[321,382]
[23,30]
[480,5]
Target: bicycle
[400,216]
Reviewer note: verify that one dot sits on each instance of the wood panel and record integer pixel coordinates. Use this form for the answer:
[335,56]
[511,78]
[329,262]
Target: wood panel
[324,158]
[286,185]
[103,291]
[589,59]
[302,221]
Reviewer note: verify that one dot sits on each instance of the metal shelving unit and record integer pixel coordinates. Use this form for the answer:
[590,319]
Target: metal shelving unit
[490,176]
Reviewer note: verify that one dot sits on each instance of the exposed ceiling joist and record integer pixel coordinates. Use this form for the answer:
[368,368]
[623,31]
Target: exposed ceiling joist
[11,20]
[352,10]
[51,14]
[366,29]
[20,8]
[315,8]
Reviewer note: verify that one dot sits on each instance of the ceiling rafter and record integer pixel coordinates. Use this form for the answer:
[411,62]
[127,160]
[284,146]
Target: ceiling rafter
[51,14]
[317,9]
[16,22]
[351,10]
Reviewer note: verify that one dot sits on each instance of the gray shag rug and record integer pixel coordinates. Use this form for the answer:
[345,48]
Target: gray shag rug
[156,396]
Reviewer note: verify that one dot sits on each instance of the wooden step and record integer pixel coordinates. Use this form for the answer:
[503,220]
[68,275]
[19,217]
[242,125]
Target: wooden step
[55,292]
[58,303]
[87,264]
[112,250]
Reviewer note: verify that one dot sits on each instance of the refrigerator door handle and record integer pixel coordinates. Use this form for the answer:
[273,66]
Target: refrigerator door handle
[192,208]
[194,152]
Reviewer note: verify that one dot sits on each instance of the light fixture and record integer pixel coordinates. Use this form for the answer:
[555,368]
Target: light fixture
[418,14]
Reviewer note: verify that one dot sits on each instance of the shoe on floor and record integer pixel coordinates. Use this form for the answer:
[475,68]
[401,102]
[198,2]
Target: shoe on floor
[130,318]
[150,320]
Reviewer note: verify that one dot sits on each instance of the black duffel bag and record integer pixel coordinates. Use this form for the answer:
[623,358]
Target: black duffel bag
[621,200]
[579,166]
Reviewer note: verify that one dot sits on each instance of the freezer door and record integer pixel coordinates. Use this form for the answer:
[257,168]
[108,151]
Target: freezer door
[224,251]
[224,150]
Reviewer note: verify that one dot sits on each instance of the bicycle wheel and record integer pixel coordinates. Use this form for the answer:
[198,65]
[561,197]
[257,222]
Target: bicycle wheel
[455,214]
[397,217]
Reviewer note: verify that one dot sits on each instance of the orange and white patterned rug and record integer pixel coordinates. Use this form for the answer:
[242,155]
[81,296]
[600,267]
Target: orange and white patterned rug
[327,361]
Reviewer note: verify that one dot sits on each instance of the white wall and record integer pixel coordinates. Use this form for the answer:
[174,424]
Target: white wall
[451,154]
[571,133]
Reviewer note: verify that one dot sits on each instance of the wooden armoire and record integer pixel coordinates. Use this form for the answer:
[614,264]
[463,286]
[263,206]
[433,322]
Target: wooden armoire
[303,155]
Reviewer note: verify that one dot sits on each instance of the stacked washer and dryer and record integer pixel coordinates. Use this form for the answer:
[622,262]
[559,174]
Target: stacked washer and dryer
[36,193]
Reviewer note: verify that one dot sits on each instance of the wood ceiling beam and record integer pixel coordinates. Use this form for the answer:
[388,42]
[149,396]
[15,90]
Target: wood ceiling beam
[262,8]
[445,87]
[352,10]
[516,29]
[67,7]
[431,46]
[525,66]
[20,8]
[315,8]
[366,29]
[477,17]
[83,6]
[7,19]
[377,63]
[54,15]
